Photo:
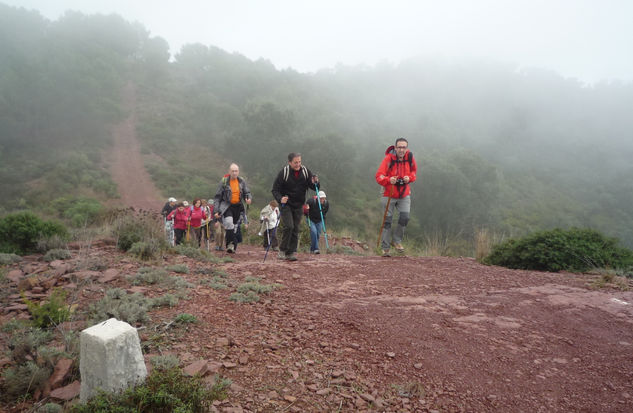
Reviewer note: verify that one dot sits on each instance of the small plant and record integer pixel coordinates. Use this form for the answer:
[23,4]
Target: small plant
[54,311]
[167,300]
[51,243]
[179,268]
[149,276]
[50,408]
[610,279]
[129,229]
[185,318]
[216,283]
[8,259]
[250,297]
[25,342]
[24,379]
[131,308]
[166,362]
[256,287]
[57,254]
[163,391]
[147,250]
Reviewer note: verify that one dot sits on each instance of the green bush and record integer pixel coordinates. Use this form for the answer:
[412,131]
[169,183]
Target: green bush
[575,250]
[54,311]
[163,391]
[6,259]
[250,297]
[166,300]
[24,379]
[131,308]
[20,232]
[57,254]
[147,250]
[166,362]
[179,268]
[186,318]
[51,243]
[79,211]
[129,229]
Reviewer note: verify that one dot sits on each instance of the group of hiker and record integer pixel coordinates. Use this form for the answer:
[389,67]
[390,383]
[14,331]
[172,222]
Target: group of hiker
[220,219]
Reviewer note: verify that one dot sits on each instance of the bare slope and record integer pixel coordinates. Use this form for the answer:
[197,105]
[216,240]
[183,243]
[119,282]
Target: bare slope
[126,163]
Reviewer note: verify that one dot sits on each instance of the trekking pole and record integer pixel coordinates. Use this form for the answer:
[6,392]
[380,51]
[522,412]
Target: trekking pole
[208,240]
[274,231]
[187,237]
[384,217]
[171,234]
[327,246]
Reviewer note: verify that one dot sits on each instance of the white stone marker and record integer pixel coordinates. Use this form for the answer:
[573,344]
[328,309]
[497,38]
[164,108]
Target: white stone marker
[110,358]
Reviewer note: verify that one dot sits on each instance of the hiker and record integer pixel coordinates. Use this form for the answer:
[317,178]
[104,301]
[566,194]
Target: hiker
[207,234]
[228,204]
[169,206]
[243,219]
[268,216]
[196,215]
[289,189]
[220,233]
[315,212]
[181,217]
[396,171]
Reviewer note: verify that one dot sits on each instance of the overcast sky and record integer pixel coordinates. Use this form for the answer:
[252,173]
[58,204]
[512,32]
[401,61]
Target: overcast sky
[590,40]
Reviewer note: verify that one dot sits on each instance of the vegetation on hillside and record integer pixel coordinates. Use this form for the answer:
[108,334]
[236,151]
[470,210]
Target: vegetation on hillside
[498,148]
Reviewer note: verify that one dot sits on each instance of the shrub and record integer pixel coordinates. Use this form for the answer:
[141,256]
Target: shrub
[78,211]
[149,276]
[7,259]
[51,243]
[179,268]
[131,308]
[574,250]
[24,379]
[57,254]
[256,287]
[54,311]
[165,362]
[50,408]
[19,232]
[186,318]
[167,300]
[25,342]
[250,297]
[216,283]
[129,229]
[163,391]
[146,250]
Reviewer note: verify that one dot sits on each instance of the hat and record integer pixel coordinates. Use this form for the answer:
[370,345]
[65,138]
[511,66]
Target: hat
[322,194]
[210,201]
[185,203]
[172,199]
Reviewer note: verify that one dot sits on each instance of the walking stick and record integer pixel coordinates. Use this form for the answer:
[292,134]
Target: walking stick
[274,231]
[327,246]
[187,237]
[384,217]
[208,241]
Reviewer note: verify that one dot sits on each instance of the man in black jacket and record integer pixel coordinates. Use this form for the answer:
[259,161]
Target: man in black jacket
[289,189]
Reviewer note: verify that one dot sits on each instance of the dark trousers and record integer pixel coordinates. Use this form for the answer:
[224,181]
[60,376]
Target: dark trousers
[178,233]
[271,234]
[290,221]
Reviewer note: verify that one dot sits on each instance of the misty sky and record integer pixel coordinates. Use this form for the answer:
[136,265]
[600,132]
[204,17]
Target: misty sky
[590,40]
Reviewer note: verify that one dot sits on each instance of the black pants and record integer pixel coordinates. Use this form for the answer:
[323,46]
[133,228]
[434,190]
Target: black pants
[178,233]
[290,221]
[234,211]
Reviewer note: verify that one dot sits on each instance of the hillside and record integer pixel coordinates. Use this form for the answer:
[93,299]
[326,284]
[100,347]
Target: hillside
[351,333]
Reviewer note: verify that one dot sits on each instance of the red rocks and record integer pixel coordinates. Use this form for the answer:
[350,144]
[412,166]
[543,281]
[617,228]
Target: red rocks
[62,370]
[67,392]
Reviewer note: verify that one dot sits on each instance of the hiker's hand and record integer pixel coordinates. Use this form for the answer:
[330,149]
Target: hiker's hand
[284,199]
[217,215]
[245,226]
[393,180]
[315,179]
[248,201]
[405,179]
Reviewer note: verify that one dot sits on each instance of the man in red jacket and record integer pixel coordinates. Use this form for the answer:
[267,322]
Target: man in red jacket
[397,170]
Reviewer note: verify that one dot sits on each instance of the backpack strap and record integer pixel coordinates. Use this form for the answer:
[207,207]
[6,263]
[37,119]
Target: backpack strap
[286,172]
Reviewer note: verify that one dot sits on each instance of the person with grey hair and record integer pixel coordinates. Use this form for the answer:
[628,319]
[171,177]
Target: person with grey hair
[228,204]
[289,189]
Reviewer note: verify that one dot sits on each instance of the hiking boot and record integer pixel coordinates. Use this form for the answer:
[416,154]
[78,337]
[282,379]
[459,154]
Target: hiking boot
[398,247]
[219,248]
[275,249]
[316,252]
[385,253]
[230,249]
[291,257]
[281,255]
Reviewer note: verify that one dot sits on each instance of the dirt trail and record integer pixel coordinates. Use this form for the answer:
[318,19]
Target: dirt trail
[126,163]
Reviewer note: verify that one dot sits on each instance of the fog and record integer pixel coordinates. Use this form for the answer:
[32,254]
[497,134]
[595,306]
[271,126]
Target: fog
[582,39]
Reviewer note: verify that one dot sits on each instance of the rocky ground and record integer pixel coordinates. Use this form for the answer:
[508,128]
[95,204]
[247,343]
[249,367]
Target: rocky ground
[366,333]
